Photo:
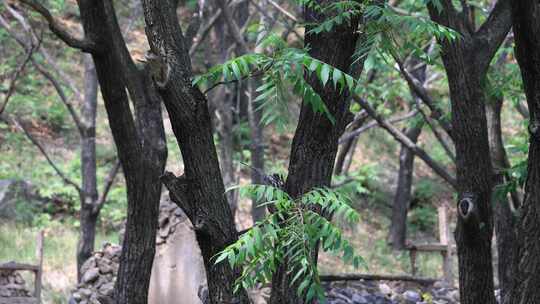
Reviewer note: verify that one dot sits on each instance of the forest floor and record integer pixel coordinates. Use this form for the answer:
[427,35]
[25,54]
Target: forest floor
[18,243]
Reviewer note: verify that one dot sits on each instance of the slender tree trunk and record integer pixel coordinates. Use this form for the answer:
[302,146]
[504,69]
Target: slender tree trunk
[315,142]
[256,128]
[223,100]
[199,191]
[89,195]
[402,199]
[527,38]
[504,219]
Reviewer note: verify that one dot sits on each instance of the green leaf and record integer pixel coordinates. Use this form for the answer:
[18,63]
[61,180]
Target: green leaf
[325,74]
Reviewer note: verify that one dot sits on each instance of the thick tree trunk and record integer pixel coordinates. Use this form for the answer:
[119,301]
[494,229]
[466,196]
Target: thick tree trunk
[140,143]
[199,191]
[466,60]
[315,142]
[402,199]
[504,219]
[527,37]
[89,195]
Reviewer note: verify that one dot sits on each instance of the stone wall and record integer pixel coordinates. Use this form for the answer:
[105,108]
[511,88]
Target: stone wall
[12,285]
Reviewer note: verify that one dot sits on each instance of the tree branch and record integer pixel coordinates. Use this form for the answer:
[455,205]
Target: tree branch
[109,180]
[283,11]
[233,27]
[15,77]
[418,89]
[42,69]
[436,132]
[492,33]
[203,32]
[404,140]
[84,44]
[357,132]
[44,153]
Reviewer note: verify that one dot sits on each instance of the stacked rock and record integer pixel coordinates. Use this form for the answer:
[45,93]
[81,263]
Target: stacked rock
[12,285]
[98,276]
[169,217]
[367,292]
[99,271]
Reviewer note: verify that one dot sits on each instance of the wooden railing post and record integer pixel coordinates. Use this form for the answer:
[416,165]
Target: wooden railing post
[444,237]
[39,271]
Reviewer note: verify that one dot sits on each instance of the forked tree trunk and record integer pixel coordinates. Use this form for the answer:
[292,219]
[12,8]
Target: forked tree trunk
[526,21]
[140,142]
[315,142]
[466,60]
[199,191]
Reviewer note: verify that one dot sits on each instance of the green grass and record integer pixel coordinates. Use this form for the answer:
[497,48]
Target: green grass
[18,243]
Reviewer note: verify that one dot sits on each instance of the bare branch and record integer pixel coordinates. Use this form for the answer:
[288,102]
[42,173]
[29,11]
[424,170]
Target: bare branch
[33,39]
[233,27]
[436,132]
[203,32]
[44,70]
[18,72]
[84,44]
[283,11]
[357,132]
[422,93]
[44,153]
[404,140]
[109,180]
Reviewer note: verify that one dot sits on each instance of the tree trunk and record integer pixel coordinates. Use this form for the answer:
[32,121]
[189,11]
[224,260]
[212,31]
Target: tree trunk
[466,60]
[256,147]
[402,199]
[527,39]
[140,142]
[89,195]
[199,191]
[504,219]
[315,142]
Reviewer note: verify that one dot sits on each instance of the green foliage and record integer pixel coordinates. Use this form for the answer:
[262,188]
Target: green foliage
[423,218]
[291,232]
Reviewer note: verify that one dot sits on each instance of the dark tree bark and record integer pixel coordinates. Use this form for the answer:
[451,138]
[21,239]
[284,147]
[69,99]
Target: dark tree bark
[504,218]
[466,60]
[315,142]
[139,138]
[402,198]
[199,191]
[526,24]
